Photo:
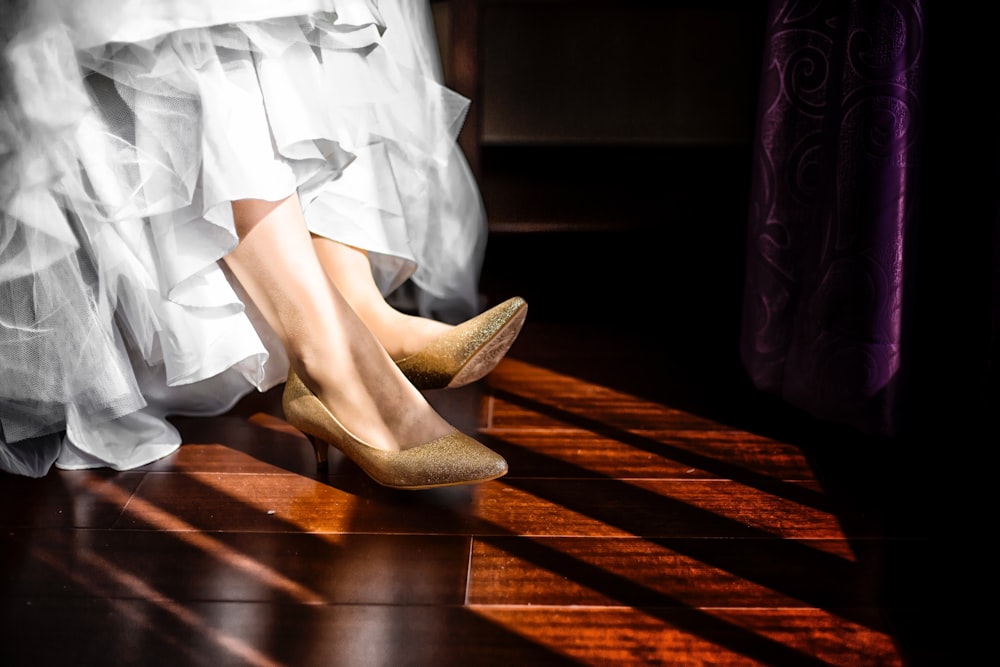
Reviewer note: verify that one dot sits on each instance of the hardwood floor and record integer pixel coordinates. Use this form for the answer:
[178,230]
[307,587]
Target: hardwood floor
[657,511]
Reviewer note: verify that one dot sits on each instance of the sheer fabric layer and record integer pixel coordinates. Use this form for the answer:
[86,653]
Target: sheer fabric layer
[115,309]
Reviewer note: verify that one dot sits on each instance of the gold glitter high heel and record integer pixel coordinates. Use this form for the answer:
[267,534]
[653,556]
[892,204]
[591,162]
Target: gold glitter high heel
[446,461]
[469,351]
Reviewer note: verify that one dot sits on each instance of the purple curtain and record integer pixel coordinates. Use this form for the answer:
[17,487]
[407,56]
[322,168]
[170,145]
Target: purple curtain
[836,313]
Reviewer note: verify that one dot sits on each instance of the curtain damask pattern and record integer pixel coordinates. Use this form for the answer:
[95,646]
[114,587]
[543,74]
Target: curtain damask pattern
[834,199]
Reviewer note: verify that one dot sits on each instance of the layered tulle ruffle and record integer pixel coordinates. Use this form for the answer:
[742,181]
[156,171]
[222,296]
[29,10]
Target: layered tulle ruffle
[119,162]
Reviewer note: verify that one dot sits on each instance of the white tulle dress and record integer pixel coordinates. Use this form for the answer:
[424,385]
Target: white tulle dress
[127,128]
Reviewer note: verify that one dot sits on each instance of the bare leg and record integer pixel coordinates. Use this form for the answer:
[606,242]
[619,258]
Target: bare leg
[349,269]
[328,345]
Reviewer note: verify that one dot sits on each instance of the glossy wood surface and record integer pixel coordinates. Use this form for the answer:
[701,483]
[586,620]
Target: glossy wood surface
[658,510]
[628,532]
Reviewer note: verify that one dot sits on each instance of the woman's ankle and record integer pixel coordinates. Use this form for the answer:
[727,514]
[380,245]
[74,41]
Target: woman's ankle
[402,334]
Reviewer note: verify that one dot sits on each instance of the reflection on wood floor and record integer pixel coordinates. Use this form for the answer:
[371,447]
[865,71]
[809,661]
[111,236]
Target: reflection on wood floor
[658,511]
[631,530]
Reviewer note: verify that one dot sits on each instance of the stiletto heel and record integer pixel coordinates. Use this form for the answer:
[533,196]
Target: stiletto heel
[320,447]
[446,461]
[469,351]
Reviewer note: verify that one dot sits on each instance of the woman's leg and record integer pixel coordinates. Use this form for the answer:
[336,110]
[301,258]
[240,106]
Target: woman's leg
[431,354]
[401,334]
[328,345]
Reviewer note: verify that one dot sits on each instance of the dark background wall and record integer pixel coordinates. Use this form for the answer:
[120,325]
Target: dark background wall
[615,149]
[615,165]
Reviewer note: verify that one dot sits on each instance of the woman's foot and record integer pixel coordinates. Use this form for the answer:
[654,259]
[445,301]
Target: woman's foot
[402,335]
[469,351]
[336,356]
[350,270]
[432,354]
[451,459]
